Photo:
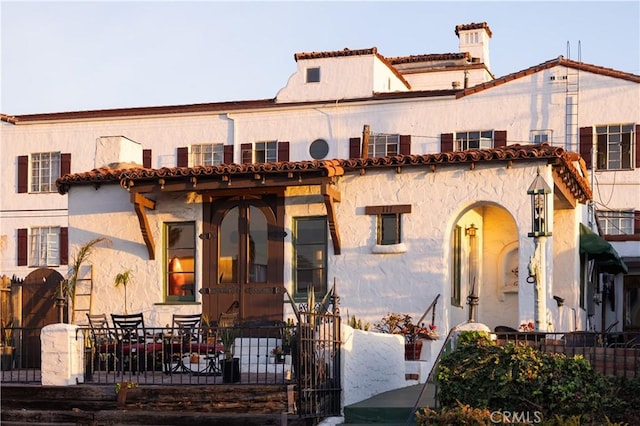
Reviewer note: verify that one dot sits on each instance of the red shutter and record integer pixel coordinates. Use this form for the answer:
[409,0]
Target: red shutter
[636,222]
[23,173]
[283,151]
[65,164]
[446,142]
[637,146]
[405,144]
[146,158]
[586,143]
[499,138]
[227,154]
[183,157]
[246,153]
[23,253]
[354,147]
[64,246]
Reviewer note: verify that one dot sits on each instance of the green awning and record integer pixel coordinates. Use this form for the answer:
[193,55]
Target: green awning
[598,249]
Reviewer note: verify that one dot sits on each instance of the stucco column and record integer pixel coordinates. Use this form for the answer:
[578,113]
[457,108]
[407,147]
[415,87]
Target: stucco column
[537,268]
[62,355]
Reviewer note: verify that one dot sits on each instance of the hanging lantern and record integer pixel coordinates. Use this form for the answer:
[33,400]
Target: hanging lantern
[539,192]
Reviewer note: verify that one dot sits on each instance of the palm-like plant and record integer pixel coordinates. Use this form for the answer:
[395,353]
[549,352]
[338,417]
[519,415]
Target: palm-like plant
[68,286]
[124,278]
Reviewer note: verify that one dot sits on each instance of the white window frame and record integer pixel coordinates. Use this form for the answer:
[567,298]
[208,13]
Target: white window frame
[616,222]
[541,136]
[383,144]
[44,246]
[44,169]
[207,154]
[615,146]
[265,151]
[475,139]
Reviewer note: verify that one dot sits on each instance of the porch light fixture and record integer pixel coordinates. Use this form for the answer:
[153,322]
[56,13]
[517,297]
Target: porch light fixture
[471,230]
[539,192]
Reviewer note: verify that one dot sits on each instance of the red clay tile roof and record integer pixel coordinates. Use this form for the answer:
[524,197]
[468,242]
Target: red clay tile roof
[563,164]
[473,26]
[335,53]
[429,58]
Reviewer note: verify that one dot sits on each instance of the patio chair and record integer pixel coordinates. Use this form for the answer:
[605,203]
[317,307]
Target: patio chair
[103,341]
[131,345]
[185,341]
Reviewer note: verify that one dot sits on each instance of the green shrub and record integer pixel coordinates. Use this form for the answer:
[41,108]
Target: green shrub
[517,377]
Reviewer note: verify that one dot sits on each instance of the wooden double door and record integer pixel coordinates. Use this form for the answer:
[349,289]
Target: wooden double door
[243,257]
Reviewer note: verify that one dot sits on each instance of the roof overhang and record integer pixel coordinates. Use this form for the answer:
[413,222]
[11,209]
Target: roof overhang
[220,181]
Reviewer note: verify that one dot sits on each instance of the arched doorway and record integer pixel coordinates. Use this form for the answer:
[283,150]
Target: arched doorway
[243,258]
[39,291]
[485,266]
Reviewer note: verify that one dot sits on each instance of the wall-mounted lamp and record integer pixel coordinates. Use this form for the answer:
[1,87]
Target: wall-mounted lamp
[161,182]
[471,231]
[539,191]
[559,300]
[194,181]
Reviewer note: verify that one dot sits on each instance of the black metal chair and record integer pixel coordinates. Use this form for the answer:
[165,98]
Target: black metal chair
[187,336]
[103,341]
[131,346]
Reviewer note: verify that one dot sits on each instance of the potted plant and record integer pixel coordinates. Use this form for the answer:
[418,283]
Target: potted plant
[395,323]
[6,354]
[230,366]
[124,278]
[278,355]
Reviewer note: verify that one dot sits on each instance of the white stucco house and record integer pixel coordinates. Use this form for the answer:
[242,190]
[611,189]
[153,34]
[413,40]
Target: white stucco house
[396,179]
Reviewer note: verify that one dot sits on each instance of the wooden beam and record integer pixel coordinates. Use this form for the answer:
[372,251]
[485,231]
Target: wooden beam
[331,195]
[366,132]
[565,198]
[140,202]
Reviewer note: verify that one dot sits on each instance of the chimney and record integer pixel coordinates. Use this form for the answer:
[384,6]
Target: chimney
[474,38]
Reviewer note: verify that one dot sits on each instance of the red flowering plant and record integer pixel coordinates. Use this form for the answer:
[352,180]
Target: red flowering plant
[527,326]
[394,323]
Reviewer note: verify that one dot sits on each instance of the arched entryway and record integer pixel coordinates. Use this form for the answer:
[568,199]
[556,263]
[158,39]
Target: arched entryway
[39,292]
[485,266]
[243,257]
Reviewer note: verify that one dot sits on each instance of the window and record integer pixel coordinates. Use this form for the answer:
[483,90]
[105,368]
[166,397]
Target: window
[474,140]
[616,222]
[44,248]
[180,260]
[381,145]
[207,154]
[313,75]
[45,169]
[388,222]
[266,151]
[310,255]
[456,276]
[614,146]
[541,136]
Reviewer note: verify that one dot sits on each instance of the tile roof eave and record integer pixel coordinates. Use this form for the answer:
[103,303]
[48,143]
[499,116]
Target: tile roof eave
[337,167]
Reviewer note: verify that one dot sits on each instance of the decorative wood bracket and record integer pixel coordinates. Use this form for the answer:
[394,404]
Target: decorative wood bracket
[331,196]
[140,202]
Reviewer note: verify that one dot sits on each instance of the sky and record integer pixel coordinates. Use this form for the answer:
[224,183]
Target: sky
[77,56]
